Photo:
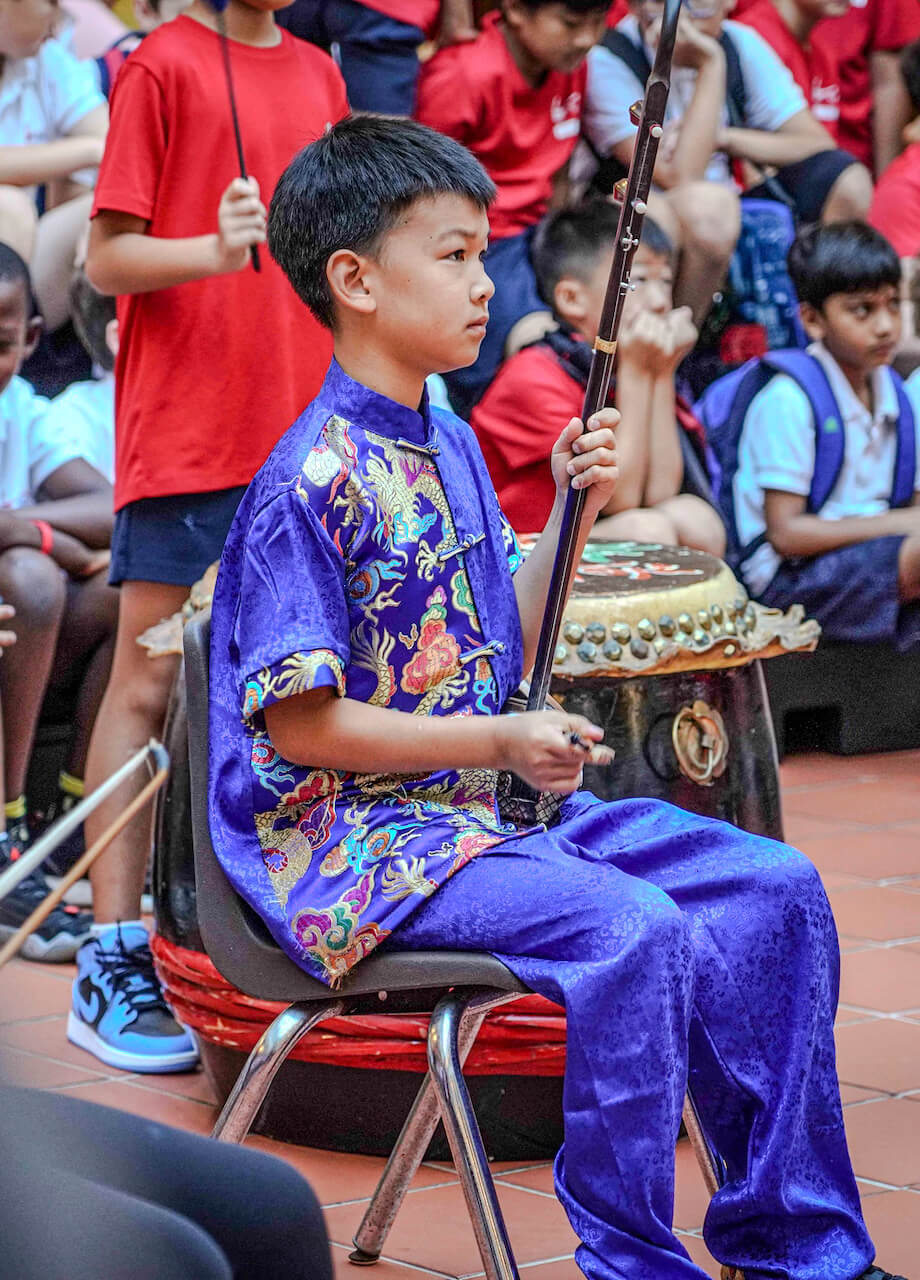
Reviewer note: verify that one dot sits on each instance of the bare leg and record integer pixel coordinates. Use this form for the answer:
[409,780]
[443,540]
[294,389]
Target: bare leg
[18,220]
[710,222]
[637,526]
[696,523]
[37,587]
[55,253]
[909,569]
[84,652]
[850,197]
[132,711]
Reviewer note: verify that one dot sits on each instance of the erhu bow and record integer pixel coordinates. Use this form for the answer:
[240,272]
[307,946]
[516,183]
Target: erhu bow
[632,191]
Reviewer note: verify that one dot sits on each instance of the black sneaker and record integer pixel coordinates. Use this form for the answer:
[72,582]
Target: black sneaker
[876,1273]
[69,851]
[60,935]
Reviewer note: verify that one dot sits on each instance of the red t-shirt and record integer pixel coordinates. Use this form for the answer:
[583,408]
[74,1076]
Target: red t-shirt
[813,65]
[896,205]
[517,422]
[872,26]
[209,374]
[415,13]
[522,135]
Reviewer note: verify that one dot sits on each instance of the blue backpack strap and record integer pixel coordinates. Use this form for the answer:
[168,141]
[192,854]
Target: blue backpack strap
[830,439]
[905,467]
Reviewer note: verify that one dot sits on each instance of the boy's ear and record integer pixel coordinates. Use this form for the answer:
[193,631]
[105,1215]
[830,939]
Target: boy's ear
[813,322]
[33,333]
[570,301]
[346,272]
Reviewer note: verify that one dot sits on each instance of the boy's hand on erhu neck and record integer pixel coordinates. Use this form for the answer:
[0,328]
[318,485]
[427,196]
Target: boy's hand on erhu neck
[241,223]
[588,460]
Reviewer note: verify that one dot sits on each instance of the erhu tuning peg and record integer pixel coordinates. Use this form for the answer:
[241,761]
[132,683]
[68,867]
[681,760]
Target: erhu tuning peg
[619,190]
[635,113]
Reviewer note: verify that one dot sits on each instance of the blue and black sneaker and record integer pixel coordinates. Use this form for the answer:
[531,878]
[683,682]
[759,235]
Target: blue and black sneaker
[62,932]
[118,1011]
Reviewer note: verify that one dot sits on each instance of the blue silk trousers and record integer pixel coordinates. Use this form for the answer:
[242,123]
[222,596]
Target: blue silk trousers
[676,945]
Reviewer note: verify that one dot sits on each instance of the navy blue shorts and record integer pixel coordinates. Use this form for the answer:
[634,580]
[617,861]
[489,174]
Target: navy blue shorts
[808,183]
[516,295]
[853,593]
[172,539]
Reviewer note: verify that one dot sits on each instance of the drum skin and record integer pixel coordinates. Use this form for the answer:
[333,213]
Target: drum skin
[637,716]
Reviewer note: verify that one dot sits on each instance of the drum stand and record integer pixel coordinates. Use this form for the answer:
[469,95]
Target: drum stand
[69,822]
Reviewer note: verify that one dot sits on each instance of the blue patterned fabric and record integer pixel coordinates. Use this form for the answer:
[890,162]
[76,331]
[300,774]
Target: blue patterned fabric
[370,555]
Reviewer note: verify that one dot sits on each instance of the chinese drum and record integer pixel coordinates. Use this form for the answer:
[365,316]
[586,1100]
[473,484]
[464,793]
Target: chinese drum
[661,647]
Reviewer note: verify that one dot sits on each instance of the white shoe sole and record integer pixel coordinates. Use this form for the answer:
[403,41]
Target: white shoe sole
[60,949]
[85,1037]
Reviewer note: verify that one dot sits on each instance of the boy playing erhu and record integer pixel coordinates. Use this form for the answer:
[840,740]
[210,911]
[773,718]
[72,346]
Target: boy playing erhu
[370,618]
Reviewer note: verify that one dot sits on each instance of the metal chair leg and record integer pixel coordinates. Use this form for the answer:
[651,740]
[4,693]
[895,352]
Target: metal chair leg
[711,1166]
[412,1143]
[270,1050]
[464,1136]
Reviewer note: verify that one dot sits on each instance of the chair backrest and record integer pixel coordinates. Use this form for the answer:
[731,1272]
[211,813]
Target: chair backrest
[237,941]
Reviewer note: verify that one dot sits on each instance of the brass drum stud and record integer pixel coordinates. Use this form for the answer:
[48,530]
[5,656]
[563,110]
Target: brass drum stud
[574,632]
[587,651]
[638,648]
[612,651]
[560,655]
[716,611]
[646,628]
[704,619]
[596,632]
[700,636]
[666,625]
[659,645]
[620,632]
[729,626]
[685,622]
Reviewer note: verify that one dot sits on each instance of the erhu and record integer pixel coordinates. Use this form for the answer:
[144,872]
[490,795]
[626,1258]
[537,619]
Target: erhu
[518,802]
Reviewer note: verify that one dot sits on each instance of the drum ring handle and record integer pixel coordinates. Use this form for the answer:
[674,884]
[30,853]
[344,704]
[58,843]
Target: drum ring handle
[700,743]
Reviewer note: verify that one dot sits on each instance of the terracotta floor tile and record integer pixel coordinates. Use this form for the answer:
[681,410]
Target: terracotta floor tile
[536,1224]
[882,914]
[887,980]
[893,1220]
[852,1093]
[819,769]
[846,1017]
[884,1140]
[837,880]
[866,803]
[31,991]
[140,1100]
[883,1056]
[539,1178]
[701,1256]
[866,853]
[565,1269]
[188,1084]
[382,1270]
[35,1072]
[867,1189]
[49,1037]
[336,1175]
[798,829]
[691,1199]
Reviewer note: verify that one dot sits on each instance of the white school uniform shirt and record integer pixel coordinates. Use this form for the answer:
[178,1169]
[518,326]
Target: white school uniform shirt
[42,98]
[30,448]
[82,417]
[772,96]
[777,451]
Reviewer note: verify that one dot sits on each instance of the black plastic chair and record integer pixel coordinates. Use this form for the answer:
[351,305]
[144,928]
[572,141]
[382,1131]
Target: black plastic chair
[457,988]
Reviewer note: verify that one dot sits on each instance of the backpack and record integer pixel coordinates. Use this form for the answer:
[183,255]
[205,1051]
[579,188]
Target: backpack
[609,169]
[723,408]
[575,357]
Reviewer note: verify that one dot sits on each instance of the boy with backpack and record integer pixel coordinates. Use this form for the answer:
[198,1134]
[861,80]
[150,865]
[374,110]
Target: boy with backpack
[819,452]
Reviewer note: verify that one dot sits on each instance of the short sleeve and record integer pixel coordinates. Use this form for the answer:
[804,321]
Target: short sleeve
[49,447]
[291,632]
[611,91]
[897,23]
[446,100]
[771,94]
[779,432]
[512,547]
[71,86]
[135,147]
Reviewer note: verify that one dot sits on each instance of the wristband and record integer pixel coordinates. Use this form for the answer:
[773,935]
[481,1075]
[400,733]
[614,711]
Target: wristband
[47,536]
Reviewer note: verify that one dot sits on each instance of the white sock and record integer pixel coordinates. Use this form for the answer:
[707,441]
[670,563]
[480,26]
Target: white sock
[98,929]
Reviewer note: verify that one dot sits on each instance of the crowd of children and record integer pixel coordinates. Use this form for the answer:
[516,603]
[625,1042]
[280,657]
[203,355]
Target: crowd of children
[806,108]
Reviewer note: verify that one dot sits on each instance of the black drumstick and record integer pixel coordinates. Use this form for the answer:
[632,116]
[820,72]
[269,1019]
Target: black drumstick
[219,7]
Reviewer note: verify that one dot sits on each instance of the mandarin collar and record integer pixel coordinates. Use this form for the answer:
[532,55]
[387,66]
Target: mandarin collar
[372,411]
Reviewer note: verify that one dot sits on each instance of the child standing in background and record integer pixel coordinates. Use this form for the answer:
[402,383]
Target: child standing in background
[214,362]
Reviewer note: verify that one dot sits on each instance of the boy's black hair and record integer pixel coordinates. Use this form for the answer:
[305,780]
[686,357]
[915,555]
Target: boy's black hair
[841,257]
[910,74]
[13,270]
[570,242]
[91,312]
[575,6]
[348,189]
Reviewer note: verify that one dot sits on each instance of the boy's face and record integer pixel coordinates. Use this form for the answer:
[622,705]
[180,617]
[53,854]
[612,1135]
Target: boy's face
[581,302]
[707,14]
[860,330]
[25,25]
[19,332]
[426,287]
[818,9]
[555,37]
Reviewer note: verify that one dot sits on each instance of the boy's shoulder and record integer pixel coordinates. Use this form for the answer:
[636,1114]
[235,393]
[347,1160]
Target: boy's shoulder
[538,370]
[476,62]
[20,404]
[183,41]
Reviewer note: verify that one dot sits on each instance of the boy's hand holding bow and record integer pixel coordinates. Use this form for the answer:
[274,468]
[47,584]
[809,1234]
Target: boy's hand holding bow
[588,460]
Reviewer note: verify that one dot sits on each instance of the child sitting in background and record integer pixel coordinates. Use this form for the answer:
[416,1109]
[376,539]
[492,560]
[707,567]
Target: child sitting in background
[54,538]
[148,15]
[895,209]
[53,122]
[543,385]
[855,563]
[514,98]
